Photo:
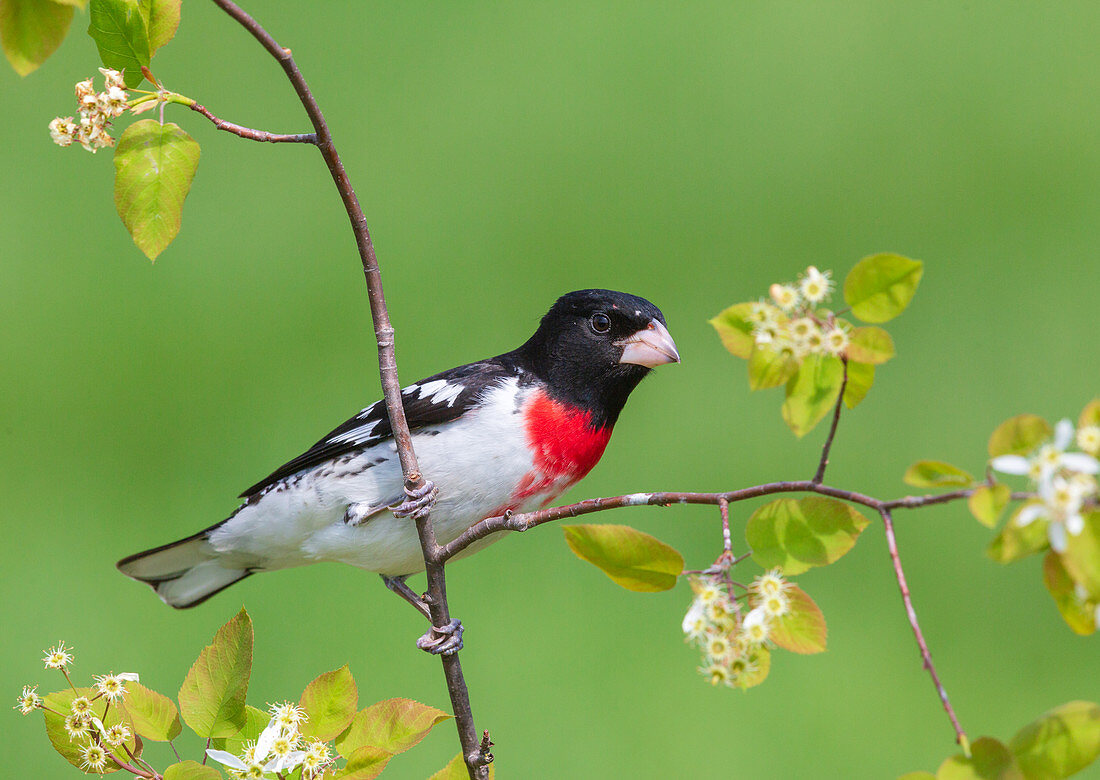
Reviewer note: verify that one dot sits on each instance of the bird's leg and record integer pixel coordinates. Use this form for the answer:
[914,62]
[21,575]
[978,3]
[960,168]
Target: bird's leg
[398,586]
[442,641]
[418,502]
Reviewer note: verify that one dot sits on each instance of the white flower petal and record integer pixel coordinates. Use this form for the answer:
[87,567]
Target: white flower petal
[1056,532]
[1010,464]
[692,617]
[267,739]
[1096,617]
[230,760]
[131,676]
[1080,462]
[1075,524]
[1030,513]
[1063,434]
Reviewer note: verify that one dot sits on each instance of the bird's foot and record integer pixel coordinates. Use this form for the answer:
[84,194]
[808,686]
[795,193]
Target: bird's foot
[419,502]
[442,641]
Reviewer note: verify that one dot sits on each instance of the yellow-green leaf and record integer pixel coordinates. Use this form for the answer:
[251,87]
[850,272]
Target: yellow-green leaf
[936,474]
[119,31]
[988,502]
[456,770]
[812,392]
[55,725]
[191,770]
[152,715]
[365,763]
[1090,415]
[330,701]
[917,776]
[31,30]
[770,368]
[255,721]
[989,760]
[1060,743]
[1079,615]
[860,378]
[213,693]
[879,287]
[1019,435]
[1082,555]
[761,664]
[735,329]
[154,166]
[802,629]
[870,344]
[798,534]
[394,725]
[162,19]
[1016,542]
[632,559]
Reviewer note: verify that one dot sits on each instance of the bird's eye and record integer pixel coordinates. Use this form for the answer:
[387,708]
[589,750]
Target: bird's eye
[600,322]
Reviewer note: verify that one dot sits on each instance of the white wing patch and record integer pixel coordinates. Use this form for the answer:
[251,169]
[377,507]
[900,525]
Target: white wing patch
[355,435]
[441,391]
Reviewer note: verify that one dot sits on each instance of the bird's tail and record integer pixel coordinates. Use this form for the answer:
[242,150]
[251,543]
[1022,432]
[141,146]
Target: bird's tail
[184,573]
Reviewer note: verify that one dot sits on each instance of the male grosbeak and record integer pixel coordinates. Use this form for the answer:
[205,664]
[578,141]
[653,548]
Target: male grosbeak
[508,433]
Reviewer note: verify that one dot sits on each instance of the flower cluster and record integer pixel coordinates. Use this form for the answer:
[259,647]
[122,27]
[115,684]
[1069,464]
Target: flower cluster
[1064,481]
[791,323]
[733,645]
[96,111]
[280,748]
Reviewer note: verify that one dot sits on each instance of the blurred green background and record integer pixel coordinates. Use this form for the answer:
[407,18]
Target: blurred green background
[505,153]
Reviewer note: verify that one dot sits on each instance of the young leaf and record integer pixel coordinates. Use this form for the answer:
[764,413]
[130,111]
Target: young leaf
[456,770]
[879,287]
[735,330]
[769,368]
[1090,415]
[812,392]
[55,726]
[154,166]
[1016,542]
[1079,616]
[798,534]
[860,378]
[191,770]
[394,725]
[936,474]
[632,559]
[118,29]
[153,715]
[31,30]
[989,760]
[365,763]
[1019,435]
[988,502]
[762,659]
[917,776]
[330,701]
[802,629]
[255,721]
[1060,743]
[871,344]
[1082,555]
[212,695]
[162,19]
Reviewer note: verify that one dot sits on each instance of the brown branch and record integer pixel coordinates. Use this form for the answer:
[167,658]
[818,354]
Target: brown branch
[820,475]
[476,762]
[892,543]
[254,135]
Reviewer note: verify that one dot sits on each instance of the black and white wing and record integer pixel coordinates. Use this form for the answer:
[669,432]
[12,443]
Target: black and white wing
[438,399]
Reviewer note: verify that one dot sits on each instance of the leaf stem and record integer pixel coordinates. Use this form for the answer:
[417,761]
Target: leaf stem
[820,475]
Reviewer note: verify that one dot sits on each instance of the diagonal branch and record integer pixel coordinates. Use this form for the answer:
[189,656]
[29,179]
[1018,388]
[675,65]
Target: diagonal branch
[820,475]
[254,135]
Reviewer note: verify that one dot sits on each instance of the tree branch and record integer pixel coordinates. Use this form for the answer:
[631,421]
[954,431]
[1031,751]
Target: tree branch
[476,762]
[254,135]
[820,475]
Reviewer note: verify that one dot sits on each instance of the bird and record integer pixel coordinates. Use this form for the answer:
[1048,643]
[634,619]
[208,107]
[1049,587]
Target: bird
[507,434]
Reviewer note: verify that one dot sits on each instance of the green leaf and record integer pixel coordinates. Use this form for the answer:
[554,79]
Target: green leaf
[154,166]
[917,776]
[812,392]
[860,378]
[365,763]
[59,738]
[456,770]
[1082,555]
[118,29]
[802,630]
[990,760]
[936,474]
[1016,542]
[1079,615]
[632,559]
[191,770]
[162,19]
[1019,435]
[871,344]
[255,721]
[1060,743]
[735,329]
[987,503]
[330,701]
[762,660]
[768,368]
[798,534]
[212,695]
[1090,415]
[152,715]
[879,287]
[394,725]
[31,30]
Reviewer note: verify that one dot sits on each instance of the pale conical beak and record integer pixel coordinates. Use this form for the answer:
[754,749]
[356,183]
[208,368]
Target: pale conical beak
[650,347]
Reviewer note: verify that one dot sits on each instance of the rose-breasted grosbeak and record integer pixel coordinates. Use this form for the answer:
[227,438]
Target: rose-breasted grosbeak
[508,433]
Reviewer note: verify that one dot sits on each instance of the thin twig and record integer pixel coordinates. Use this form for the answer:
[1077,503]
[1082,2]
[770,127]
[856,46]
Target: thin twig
[254,135]
[820,475]
[892,543]
[727,543]
[476,763]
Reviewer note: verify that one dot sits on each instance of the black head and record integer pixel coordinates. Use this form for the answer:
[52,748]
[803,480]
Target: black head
[594,346]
